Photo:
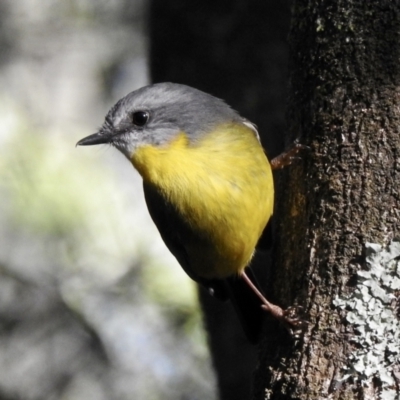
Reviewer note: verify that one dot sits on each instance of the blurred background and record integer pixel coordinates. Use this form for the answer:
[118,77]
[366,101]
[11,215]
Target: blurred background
[79,318]
[92,305]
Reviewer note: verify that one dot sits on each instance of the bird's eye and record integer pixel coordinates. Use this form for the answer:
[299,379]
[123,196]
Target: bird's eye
[139,118]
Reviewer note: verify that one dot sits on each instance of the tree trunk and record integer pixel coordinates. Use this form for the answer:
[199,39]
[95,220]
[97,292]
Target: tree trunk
[344,98]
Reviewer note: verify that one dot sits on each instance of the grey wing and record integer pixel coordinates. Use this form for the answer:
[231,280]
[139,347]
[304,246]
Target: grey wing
[252,126]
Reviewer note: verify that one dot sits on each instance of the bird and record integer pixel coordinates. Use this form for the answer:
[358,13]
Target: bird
[208,186]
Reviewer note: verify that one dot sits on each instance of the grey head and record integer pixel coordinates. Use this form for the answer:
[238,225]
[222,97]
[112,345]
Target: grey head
[154,114]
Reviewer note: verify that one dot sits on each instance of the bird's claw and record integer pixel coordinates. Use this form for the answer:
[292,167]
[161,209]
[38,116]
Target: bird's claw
[293,321]
[286,158]
[290,319]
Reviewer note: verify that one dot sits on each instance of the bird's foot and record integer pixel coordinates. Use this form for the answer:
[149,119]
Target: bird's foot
[286,158]
[289,317]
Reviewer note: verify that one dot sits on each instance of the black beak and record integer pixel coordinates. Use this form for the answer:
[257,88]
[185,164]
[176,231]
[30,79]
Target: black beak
[96,138]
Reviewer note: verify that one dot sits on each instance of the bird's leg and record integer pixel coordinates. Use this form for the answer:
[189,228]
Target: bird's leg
[287,157]
[288,317]
[276,311]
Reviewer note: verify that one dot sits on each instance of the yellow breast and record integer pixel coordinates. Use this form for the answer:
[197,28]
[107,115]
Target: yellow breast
[222,186]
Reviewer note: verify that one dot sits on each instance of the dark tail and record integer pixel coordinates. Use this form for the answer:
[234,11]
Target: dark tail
[247,305]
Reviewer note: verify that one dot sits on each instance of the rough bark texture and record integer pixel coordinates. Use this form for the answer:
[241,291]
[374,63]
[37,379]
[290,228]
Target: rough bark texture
[344,99]
[235,50]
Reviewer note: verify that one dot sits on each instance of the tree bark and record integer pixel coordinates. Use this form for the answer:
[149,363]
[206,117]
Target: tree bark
[344,104]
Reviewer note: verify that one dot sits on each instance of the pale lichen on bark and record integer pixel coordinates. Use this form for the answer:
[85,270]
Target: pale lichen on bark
[372,314]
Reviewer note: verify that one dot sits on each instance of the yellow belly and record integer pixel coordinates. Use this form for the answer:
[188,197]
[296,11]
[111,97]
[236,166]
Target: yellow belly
[222,186]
